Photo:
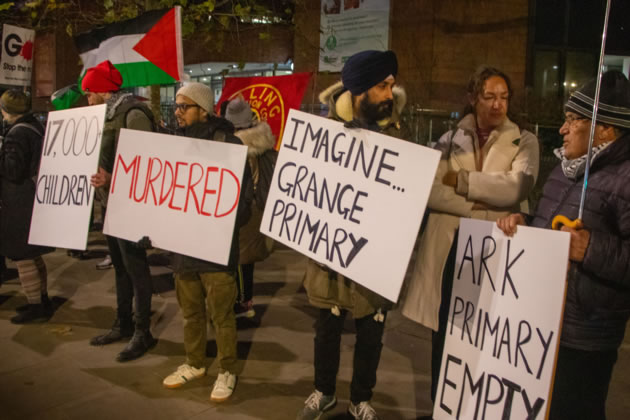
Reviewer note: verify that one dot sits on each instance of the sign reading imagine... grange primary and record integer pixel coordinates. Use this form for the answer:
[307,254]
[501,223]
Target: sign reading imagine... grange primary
[182,193]
[350,199]
[63,194]
[503,324]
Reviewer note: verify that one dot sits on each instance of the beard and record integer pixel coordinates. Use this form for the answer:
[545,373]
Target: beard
[373,112]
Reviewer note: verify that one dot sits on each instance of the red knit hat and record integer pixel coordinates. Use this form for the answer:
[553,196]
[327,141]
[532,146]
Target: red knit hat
[102,78]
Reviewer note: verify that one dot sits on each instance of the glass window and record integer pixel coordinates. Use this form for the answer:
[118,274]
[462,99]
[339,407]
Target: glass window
[550,16]
[581,67]
[546,73]
[586,21]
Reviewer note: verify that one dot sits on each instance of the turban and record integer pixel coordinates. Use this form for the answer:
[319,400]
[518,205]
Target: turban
[366,69]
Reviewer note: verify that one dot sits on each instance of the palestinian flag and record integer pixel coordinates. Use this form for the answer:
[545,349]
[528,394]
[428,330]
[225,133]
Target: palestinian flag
[64,98]
[147,50]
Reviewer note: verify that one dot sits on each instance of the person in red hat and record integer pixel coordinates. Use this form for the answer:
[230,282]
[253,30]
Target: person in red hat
[102,85]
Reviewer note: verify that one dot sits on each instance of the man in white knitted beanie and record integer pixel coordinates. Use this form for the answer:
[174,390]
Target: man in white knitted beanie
[194,102]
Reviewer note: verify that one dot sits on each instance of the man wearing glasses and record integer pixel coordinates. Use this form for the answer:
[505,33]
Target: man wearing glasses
[207,291]
[597,303]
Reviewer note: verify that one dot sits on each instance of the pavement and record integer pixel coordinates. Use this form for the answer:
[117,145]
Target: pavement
[49,371]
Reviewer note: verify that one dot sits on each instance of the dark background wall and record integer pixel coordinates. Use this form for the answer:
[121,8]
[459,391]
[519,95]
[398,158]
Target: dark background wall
[439,43]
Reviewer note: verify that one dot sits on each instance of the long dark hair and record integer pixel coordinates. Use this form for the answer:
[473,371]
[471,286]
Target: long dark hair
[478,80]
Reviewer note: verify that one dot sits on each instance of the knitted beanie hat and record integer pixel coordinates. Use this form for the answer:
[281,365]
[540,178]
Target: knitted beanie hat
[614,100]
[14,102]
[239,113]
[200,94]
[102,78]
[366,69]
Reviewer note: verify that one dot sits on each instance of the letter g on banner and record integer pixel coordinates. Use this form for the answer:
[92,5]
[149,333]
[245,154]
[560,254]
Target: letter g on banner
[13,45]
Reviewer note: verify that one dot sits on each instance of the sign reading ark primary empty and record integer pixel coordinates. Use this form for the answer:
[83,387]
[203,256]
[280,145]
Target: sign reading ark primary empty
[503,325]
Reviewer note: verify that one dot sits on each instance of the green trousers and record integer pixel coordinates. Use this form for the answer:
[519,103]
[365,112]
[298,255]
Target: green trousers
[202,296]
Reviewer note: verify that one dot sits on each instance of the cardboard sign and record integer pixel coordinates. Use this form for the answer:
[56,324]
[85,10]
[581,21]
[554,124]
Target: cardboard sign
[17,55]
[64,196]
[350,199]
[503,324]
[182,193]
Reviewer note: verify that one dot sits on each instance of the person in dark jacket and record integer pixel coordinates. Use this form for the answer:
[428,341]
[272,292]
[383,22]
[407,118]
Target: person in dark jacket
[597,304]
[365,98]
[207,291]
[254,246]
[133,278]
[19,163]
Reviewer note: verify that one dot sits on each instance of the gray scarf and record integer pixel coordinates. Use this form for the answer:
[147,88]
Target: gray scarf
[574,168]
[114,101]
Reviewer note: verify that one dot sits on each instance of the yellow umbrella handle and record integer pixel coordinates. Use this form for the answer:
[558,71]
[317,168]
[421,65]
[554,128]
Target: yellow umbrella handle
[560,220]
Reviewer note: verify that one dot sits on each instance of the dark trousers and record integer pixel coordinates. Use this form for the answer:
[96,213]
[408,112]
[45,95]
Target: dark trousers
[438,337]
[367,353]
[246,283]
[133,280]
[581,384]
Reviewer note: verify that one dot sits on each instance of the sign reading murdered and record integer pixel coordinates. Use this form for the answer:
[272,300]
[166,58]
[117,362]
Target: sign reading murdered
[16,64]
[503,324]
[63,195]
[182,193]
[350,199]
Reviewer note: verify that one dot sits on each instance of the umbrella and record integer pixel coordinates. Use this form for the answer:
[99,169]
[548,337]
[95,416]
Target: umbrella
[560,220]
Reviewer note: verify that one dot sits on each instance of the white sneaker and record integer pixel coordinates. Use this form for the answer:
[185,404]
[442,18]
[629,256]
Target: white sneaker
[362,411]
[182,375]
[223,387]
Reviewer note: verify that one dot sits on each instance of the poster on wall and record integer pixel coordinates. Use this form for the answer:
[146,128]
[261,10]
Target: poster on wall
[16,63]
[504,321]
[350,26]
[350,199]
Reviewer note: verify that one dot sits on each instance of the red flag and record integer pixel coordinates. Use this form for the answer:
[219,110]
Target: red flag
[270,97]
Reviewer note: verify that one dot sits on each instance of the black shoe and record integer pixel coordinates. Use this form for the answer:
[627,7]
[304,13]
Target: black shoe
[120,330]
[34,313]
[141,342]
[45,302]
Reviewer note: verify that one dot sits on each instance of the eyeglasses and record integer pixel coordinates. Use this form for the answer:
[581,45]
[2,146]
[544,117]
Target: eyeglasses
[572,121]
[184,107]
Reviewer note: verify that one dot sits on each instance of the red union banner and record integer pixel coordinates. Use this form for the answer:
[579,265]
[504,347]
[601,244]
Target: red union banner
[270,97]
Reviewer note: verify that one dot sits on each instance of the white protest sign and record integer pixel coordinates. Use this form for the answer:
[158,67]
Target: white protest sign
[350,199]
[63,194]
[503,324]
[17,55]
[182,193]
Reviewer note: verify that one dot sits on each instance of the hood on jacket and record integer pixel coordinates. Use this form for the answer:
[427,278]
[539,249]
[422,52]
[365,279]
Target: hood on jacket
[339,101]
[257,138]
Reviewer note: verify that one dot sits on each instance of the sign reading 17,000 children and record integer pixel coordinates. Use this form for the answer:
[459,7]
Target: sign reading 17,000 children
[63,194]
[504,321]
[350,199]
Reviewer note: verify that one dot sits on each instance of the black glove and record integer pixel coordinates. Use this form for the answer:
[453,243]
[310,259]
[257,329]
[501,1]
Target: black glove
[144,243]
[355,123]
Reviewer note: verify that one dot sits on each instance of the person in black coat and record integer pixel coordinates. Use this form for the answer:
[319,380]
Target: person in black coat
[19,163]
[597,305]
